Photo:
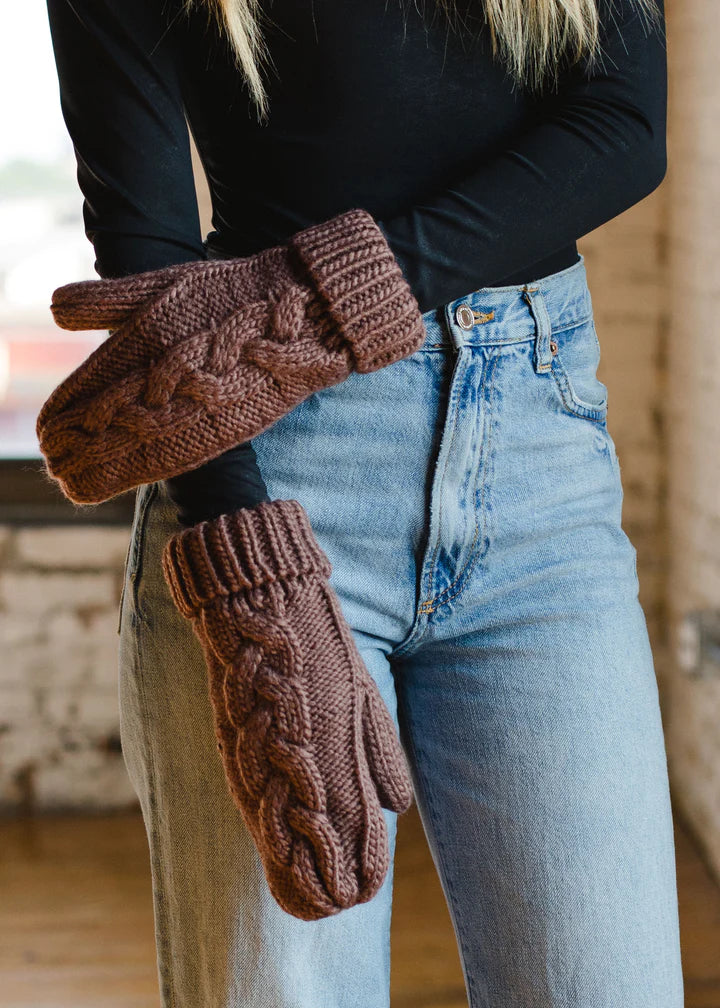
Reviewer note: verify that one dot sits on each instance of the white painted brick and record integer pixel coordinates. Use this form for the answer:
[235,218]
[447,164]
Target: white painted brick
[90,710]
[63,625]
[89,628]
[693,398]
[98,708]
[16,707]
[86,779]
[69,665]
[87,546]
[17,628]
[26,743]
[33,592]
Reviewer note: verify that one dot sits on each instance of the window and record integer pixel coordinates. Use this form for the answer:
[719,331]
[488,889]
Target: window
[43,246]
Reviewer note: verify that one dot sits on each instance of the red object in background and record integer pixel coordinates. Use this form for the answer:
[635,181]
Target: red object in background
[33,361]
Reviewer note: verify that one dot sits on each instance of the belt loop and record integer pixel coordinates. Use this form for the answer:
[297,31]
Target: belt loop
[542,360]
[457,334]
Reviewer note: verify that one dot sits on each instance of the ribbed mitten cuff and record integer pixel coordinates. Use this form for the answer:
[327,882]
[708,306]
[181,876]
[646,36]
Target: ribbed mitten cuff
[367,295]
[273,541]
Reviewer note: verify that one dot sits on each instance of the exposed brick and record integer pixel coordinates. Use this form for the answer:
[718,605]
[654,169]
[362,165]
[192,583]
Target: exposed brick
[17,628]
[89,547]
[24,591]
[88,778]
[693,395]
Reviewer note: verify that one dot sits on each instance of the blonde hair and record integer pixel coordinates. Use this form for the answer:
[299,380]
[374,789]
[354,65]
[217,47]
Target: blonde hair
[530,36]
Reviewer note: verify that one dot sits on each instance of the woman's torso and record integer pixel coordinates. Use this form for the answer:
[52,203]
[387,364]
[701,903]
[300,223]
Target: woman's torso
[371,104]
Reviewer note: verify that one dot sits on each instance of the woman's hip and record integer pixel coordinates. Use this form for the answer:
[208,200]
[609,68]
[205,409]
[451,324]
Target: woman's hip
[491,437]
[454,456]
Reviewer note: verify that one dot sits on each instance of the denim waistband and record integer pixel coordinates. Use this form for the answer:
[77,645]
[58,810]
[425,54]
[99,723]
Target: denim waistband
[513,314]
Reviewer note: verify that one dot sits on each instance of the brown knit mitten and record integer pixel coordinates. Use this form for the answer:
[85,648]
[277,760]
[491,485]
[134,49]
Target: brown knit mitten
[309,749]
[208,354]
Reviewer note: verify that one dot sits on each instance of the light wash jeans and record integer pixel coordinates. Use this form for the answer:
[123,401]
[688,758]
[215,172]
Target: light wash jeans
[469,500]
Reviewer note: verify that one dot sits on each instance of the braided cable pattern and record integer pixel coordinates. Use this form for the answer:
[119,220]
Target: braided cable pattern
[309,750]
[209,354]
[274,764]
[214,366]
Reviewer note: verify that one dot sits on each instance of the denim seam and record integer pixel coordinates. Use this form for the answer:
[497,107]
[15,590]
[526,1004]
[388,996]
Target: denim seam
[453,902]
[598,414]
[124,581]
[135,573]
[614,461]
[572,325]
[474,557]
[162,924]
[453,413]
[512,341]
[417,631]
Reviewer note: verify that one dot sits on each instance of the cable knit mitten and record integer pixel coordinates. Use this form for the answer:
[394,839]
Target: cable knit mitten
[309,749]
[207,354]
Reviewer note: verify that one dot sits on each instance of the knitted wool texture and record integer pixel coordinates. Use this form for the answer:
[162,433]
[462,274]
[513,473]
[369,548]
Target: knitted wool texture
[208,354]
[309,749]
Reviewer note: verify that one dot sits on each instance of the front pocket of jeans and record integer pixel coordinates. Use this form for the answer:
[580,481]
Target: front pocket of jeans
[124,583]
[146,495]
[575,363]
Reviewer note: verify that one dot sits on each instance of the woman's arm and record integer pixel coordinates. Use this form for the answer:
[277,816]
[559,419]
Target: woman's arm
[122,105]
[598,148]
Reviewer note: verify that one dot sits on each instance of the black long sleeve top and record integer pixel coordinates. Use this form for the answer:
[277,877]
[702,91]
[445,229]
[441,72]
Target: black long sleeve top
[473,180]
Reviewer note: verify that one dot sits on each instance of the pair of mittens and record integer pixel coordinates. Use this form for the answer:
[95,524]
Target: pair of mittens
[201,357]
[309,749]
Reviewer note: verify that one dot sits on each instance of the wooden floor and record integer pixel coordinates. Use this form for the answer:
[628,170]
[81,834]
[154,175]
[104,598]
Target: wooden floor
[76,924]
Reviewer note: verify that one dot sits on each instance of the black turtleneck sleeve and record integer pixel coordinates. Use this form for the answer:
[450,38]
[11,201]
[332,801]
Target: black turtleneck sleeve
[122,106]
[121,102]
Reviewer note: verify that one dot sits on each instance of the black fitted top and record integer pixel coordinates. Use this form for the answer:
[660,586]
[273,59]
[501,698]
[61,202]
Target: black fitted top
[379,104]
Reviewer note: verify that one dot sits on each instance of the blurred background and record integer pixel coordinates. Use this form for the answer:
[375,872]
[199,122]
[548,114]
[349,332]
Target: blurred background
[76,922]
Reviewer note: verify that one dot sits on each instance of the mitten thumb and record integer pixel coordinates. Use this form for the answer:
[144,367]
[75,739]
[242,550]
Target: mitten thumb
[105,304]
[384,753]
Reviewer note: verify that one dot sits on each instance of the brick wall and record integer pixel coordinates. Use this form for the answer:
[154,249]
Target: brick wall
[693,402]
[626,266]
[59,733]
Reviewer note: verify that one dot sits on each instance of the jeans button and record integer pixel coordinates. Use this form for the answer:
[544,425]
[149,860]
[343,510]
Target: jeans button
[464,316]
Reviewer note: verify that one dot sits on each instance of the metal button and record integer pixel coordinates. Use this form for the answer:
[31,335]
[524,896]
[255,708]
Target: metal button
[464,316]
